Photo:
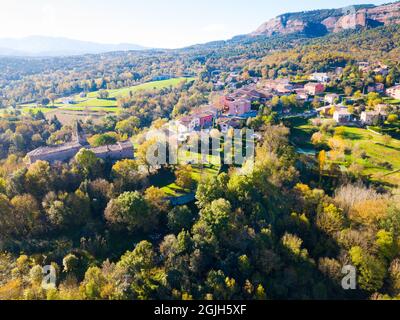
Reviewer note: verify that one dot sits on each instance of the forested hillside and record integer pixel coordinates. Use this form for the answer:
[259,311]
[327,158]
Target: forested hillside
[282,231]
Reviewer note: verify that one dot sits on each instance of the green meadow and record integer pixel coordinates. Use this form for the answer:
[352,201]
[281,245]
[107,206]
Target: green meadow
[93,103]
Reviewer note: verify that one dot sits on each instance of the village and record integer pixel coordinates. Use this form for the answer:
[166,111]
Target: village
[232,110]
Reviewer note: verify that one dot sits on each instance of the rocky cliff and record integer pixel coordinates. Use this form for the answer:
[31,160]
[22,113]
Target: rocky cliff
[321,22]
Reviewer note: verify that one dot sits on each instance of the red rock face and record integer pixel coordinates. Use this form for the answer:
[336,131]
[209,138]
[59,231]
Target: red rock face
[276,26]
[387,14]
[351,21]
[375,16]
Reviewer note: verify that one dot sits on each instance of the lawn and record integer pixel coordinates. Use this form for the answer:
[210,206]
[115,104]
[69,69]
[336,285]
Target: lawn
[211,168]
[379,157]
[301,132]
[34,109]
[391,100]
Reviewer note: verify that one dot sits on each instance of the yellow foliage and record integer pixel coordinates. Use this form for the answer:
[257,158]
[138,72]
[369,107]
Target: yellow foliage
[369,211]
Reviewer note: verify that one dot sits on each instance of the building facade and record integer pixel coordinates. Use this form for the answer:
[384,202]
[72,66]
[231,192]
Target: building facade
[66,151]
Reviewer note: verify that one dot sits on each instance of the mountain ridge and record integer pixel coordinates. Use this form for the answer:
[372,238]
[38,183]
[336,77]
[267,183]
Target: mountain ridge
[325,21]
[58,46]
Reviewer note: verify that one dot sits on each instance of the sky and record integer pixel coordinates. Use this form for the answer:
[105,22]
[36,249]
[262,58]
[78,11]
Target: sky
[151,23]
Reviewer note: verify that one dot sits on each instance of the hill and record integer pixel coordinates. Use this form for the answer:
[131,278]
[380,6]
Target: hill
[321,22]
[57,46]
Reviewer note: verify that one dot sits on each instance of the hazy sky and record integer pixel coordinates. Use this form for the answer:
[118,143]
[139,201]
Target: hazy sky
[153,23]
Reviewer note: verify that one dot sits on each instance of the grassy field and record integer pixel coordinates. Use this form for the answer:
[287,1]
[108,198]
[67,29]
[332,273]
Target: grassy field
[391,100]
[211,168]
[92,103]
[377,154]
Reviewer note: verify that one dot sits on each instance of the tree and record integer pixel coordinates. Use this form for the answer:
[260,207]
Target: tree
[322,161]
[211,189]
[145,150]
[128,127]
[369,212]
[371,270]
[127,175]
[292,244]
[387,244]
[348,91]
[93,284]
[260,293]
[184,177]
[88,163]
[27,217]
[130,210]
[56,210]
[394,273]
[147,281]
[217,214]
[103,139]
[39,178]
[393,118]
[330,219]
[317,138]
[156,199]
[70,263]
[103,94]
[179,218]
[387,140]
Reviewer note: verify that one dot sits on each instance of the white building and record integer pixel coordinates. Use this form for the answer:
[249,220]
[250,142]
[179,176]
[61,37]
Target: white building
[320,77]
[342,116]
[371,117]
[394,92]
[331,98]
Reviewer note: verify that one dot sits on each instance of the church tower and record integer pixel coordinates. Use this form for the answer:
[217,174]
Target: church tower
[78,135]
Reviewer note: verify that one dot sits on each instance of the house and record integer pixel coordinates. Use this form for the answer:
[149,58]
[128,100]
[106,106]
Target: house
[251,94]
[236,106]
[66,151]
[339,71]
[187,124]
[384,71]
[394,92]
[372,117]
[314,88]
[331,98]
[206,119]
[279,86]
[342,116]
[364,66]
[301,95]
[376,87]
[68,101]
[227,123]
[215,111]
[320,77]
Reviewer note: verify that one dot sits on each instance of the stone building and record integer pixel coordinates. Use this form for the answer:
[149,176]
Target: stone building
[66,151]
